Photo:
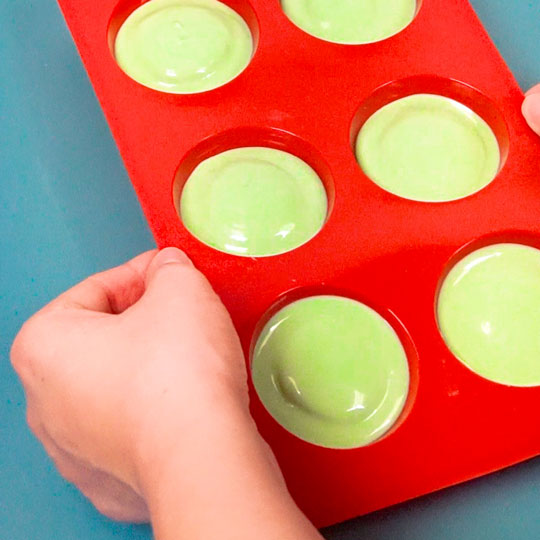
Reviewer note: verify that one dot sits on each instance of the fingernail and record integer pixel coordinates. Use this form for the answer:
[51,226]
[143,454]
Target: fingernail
[171,255]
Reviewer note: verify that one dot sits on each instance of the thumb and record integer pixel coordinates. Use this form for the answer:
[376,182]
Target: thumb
[165,257]
[531,109]
[172,280]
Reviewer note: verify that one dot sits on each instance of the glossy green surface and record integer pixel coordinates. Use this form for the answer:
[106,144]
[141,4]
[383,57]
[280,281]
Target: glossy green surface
[428,148]
[183,46]
[253,201]
[350,21]
[332,371]
[489,313]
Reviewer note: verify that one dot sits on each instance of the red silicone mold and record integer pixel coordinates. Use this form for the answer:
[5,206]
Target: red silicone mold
[310,97]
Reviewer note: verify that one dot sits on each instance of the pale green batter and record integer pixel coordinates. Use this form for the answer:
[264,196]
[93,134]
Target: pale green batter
[332,371]
[350,21]
[428,148]
[254,202]
[183,46]
[489,313]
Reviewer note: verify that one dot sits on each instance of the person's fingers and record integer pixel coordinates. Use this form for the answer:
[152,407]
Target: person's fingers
[533,90]
[112,291]
[179,296]
[172,280]
[41,336]
[531,110]
[169,256]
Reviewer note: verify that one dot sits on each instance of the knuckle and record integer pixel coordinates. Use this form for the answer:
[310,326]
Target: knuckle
[23,347]
[32,347]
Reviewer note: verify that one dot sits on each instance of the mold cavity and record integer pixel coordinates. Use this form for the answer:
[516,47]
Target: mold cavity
[333,371]
[429,139]
[183,46]
[351,23]
[253,192]
[488,310]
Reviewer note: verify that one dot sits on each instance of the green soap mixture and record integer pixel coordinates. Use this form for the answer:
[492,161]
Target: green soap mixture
[183,46]
[254,201]
[350,21]
[428,148]
[489,313]
[332,371]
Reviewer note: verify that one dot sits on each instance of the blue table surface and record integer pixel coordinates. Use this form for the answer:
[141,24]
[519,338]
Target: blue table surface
[67,209]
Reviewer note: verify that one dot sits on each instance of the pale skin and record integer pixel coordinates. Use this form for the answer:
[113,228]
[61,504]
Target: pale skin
[136,386]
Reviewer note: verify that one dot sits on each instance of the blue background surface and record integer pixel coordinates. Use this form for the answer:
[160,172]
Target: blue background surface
[67,210]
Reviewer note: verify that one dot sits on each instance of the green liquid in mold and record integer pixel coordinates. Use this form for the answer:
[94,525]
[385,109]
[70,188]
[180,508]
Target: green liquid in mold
[332,371]
[489,313]
[350,21]
[428,148]
[254,201]
[183,46]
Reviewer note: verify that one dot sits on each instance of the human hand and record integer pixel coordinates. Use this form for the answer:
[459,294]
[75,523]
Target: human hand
[531,108]
[118,368]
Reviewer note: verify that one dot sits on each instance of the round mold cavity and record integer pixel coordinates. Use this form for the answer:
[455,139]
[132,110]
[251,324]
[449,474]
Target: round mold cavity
[488,308]
[253,192]
[351,23]
[183,46]
[429,139]
[333,371]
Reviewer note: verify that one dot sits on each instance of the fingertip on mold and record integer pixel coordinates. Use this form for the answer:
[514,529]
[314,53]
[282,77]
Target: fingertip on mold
[531,109]
[534,90]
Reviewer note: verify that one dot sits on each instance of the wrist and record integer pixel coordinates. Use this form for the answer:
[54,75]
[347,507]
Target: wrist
[179,432]
[219,478]
[219,469]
